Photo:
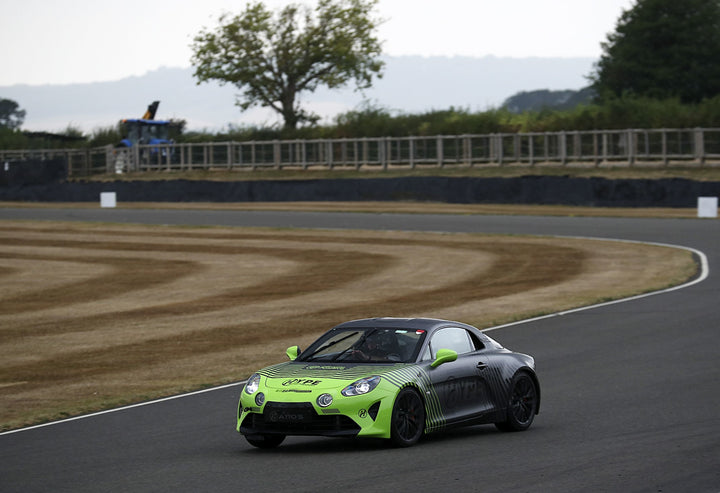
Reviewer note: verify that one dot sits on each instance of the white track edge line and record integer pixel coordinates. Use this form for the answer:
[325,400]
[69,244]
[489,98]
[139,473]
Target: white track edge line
[124,408]
[704,273]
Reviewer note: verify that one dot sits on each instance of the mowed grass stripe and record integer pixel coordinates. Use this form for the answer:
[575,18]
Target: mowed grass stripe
[318,271]
[518,267]
[126,274]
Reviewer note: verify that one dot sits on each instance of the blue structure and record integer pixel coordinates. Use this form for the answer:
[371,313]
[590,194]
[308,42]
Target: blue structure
[146,130]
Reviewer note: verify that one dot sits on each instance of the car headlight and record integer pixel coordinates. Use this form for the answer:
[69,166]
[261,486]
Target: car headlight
[362,386]
[253,383]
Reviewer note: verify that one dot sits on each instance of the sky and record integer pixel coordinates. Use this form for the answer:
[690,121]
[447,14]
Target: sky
[78,41]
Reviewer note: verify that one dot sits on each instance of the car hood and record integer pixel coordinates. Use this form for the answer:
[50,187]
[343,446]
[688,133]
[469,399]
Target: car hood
[325,376]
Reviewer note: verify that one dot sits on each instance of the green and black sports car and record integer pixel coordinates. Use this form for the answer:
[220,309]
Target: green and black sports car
[390,378]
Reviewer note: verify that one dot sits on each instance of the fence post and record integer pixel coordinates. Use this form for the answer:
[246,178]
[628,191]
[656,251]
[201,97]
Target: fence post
[364,151]
[467,150]
[531,149]
[109,161]
[440,153]
[604,146]
[383,153]
[356,156]
[596,150]
[168,161]
[180,149]
[411,152]
[577,146]
[136,157]
[699,145]
[630,147]
[546,144]
[276,154]
[86,168]
[499,149]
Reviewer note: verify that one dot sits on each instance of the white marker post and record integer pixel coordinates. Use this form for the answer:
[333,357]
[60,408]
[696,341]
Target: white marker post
[108,199]
[707,207]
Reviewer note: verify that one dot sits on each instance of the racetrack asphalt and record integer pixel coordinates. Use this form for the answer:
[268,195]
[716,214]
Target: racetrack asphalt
[630,395]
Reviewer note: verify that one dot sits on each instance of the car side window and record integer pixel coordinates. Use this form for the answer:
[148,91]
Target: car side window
[453,338]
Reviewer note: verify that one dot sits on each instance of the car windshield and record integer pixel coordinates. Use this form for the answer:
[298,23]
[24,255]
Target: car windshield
[366,345]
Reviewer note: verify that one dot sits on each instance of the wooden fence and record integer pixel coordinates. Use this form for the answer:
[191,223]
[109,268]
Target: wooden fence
[632,147]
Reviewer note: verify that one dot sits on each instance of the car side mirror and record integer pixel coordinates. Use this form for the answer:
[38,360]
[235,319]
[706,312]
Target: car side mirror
[293,352]
[444,356]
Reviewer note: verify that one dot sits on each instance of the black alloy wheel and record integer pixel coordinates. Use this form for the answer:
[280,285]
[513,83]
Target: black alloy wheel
[523,404]
[408,418]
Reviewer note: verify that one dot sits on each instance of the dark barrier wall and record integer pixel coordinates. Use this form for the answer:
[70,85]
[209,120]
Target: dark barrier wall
[521,190]
[32,172]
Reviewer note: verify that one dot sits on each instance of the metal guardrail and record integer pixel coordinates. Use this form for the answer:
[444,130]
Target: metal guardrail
[660,147]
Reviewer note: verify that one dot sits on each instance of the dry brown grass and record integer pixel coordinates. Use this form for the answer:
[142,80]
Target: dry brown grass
[94,316]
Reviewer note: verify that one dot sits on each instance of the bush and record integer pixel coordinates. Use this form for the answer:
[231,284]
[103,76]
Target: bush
[105,136]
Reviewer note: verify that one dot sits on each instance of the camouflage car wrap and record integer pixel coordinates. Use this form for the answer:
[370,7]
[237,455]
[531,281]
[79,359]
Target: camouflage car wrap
[307,397]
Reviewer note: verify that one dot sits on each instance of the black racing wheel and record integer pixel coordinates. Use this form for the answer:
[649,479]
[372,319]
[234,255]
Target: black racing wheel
[523,403]
[408,418]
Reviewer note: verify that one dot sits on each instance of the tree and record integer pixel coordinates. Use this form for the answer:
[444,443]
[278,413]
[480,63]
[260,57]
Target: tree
[274,57]
[11,116]
[663,49]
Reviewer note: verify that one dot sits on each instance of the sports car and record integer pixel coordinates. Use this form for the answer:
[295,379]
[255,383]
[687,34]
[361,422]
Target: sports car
[391,378]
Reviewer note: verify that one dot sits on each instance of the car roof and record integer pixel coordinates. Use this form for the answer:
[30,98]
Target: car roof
[427,324]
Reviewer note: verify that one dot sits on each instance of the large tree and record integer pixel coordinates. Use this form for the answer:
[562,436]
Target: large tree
[11,116]
[273,57]
[663,49]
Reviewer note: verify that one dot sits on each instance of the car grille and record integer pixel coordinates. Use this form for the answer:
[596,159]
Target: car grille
[297,419]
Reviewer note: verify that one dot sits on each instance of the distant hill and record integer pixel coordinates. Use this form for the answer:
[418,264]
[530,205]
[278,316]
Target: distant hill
[411,84]
[546,99]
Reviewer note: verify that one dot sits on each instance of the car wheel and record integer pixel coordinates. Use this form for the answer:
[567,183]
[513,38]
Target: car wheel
[265,441]
[522,405]
[408,418]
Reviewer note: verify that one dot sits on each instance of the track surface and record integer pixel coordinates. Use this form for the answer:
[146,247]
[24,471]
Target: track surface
[631,393]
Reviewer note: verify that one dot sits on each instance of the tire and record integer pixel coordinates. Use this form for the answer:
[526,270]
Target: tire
[408,418]
[522,405]
[265,441]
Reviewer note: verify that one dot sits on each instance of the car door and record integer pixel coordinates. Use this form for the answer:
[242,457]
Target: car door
[460,385]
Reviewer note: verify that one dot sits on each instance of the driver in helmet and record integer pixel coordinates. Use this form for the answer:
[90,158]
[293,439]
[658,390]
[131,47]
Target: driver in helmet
[379,346]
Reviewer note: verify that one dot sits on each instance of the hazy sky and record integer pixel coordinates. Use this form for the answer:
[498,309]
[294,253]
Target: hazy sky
[66,41]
